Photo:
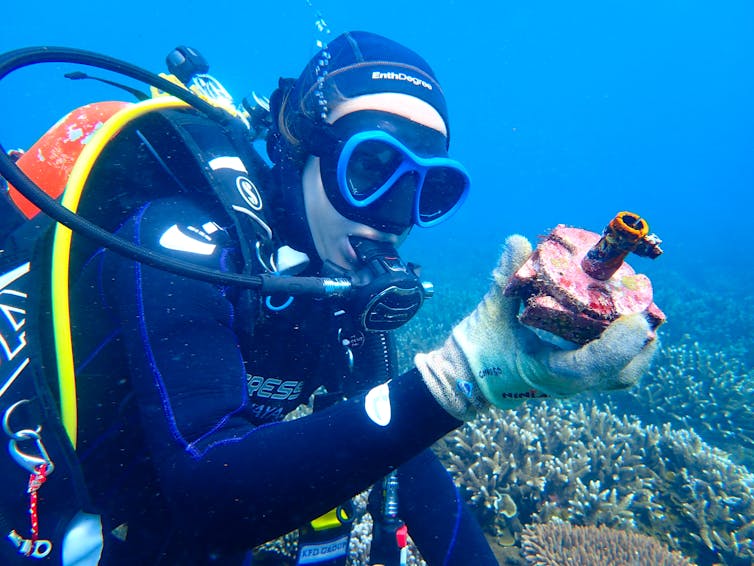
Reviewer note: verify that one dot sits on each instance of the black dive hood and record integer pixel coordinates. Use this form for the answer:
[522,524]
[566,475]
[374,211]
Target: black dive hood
[383,303]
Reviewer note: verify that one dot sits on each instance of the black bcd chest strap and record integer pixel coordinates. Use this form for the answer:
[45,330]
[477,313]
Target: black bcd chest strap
[236,175]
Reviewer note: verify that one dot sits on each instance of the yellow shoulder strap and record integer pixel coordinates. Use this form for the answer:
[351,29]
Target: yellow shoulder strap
[61,250]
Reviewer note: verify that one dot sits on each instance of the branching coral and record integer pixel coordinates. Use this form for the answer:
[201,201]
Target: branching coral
[558,544]
[708,392]
[587,466]
[719,313]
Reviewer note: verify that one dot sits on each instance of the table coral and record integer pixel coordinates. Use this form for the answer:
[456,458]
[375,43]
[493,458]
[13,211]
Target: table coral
[561,544]
[707,391]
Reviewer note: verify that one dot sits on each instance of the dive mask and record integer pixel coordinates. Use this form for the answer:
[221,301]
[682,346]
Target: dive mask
[389,172]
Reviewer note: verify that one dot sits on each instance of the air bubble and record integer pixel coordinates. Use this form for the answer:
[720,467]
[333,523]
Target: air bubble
[320,69]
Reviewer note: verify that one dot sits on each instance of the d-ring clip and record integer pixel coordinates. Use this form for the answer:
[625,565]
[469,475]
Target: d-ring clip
[29,462]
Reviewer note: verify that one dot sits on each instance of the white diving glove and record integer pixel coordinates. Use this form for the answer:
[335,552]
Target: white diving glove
[491,358]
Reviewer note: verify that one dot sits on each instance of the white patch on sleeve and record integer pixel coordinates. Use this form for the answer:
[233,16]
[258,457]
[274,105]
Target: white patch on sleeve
[377,405]
[228,162]
[175,239]
[210,227]
[83,541]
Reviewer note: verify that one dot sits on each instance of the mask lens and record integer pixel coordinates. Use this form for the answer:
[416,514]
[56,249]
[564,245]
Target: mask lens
[443,189]
[369,168]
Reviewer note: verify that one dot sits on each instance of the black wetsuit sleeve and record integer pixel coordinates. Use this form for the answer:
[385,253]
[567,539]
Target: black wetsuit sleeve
[230,482]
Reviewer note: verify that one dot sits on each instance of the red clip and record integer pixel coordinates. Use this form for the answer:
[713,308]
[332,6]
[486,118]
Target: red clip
[401,536]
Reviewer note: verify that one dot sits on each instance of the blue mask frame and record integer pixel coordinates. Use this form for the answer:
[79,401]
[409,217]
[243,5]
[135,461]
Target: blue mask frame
[410,163]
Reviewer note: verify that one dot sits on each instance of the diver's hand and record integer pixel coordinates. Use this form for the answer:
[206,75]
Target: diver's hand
[491,358]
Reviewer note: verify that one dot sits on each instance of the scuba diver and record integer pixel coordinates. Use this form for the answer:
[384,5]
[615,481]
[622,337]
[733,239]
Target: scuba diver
[185,385]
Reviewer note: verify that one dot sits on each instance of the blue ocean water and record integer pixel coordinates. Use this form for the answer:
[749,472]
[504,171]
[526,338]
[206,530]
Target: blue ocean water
[563,112]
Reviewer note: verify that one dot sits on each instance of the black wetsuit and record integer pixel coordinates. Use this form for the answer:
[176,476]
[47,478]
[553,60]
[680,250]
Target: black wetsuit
[183,386]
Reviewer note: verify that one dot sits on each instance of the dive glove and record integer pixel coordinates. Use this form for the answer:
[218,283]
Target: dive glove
[491,358]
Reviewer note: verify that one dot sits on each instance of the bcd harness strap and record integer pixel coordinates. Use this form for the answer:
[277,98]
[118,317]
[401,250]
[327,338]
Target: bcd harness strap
[226,173]
[233,171]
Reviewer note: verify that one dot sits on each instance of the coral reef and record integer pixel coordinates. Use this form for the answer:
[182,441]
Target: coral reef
[716,311]
[707,392]
[586,466]
[559,544]
[641,461]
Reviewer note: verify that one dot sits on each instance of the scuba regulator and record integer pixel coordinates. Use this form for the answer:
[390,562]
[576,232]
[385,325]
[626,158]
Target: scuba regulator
[382,295]
[392,293]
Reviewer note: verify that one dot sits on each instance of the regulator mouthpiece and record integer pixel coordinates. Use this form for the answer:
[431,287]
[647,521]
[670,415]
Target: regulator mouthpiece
[392,293]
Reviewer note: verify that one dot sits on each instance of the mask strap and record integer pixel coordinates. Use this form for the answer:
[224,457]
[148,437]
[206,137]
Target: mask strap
[316,138]
[278,143]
